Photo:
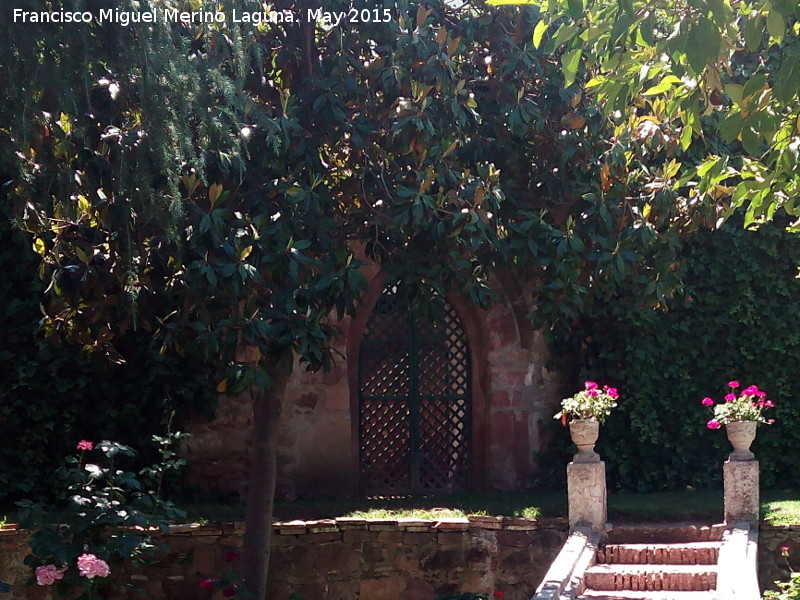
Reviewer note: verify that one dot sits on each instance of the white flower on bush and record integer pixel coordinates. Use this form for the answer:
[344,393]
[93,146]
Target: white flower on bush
[48,574]
[90,566]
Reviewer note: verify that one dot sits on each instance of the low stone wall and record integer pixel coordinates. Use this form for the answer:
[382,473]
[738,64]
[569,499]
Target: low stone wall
[341,559]
[771,565]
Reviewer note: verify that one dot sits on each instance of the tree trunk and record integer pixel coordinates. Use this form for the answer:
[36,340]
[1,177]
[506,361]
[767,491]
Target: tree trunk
[267,405]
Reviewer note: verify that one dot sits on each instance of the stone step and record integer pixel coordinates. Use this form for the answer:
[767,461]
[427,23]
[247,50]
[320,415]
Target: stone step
[691,553]
[651,577]
[629,595]
[664,533]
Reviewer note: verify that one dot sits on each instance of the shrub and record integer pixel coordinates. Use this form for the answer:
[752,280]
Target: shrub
[51,395]
[731,320]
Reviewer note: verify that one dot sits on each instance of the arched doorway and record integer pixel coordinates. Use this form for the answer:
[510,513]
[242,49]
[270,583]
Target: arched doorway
[414,400]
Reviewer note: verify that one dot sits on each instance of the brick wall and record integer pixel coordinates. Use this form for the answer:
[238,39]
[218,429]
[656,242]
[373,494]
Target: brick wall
[341,559]
[514,395]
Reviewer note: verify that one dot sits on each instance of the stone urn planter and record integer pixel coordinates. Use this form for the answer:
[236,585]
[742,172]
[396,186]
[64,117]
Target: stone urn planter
[741,434]
[584,433]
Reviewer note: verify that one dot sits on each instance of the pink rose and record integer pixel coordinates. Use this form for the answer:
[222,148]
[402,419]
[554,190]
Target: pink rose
[730,397]
[761,394]
[733,384]
[714,424]
[750,390]
[707,401]
[593,392]
[48,574]
[90,566]
[85,445]
[612,392]
[590,385]
[769,403]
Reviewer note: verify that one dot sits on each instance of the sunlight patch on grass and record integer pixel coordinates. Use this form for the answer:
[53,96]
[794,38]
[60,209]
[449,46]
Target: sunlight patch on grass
[781,512]
[429,514]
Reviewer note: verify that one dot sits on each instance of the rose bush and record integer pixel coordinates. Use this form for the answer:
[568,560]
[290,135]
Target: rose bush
[104,515]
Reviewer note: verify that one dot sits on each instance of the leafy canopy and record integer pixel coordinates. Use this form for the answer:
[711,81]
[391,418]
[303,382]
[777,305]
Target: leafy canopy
[693,68]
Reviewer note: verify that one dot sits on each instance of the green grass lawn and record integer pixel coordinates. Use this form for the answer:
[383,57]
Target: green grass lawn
[777,507]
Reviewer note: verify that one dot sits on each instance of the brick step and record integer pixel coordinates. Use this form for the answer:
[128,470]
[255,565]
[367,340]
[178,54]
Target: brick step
[664,533]
[651,577]
[692,553]
[629,595]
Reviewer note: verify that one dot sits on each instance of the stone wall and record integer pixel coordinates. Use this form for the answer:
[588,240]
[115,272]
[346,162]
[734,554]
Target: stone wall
[341,559]
[771,565]
[514,395]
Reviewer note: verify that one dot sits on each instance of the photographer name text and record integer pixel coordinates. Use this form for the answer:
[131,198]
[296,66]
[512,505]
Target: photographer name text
[126,18]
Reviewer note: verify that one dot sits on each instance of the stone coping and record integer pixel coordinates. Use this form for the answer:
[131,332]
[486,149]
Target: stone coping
[297,527]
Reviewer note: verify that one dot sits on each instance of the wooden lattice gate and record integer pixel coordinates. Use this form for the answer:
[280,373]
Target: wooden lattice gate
[414,401]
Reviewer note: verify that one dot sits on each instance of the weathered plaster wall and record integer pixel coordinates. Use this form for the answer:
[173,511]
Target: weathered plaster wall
[342,559]
[514,394]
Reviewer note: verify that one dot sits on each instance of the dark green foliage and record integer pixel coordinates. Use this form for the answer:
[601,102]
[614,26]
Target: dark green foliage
[50,397]
[735,320]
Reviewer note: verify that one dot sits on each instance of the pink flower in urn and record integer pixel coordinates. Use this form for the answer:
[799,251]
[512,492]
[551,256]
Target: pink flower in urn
[768,404]
[707,401]
[590,385]
[713,424]
[733,384]
[85,445]
[613,392]
[730,397]
[593,392]
[90,566]
[750,390]
[48,574]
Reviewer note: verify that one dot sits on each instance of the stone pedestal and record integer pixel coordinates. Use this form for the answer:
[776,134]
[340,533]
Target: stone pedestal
[586,492]
[741,491]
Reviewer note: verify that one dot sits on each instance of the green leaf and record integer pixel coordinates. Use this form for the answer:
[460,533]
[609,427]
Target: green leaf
[575,9]
[730,127]
[664,86]
[538,33]
[755,84]
[751,141]
[564,34]
[647,30]
[786,80]
[703,45]
[569,65]
[753,33]
[735,91]
[776,25]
